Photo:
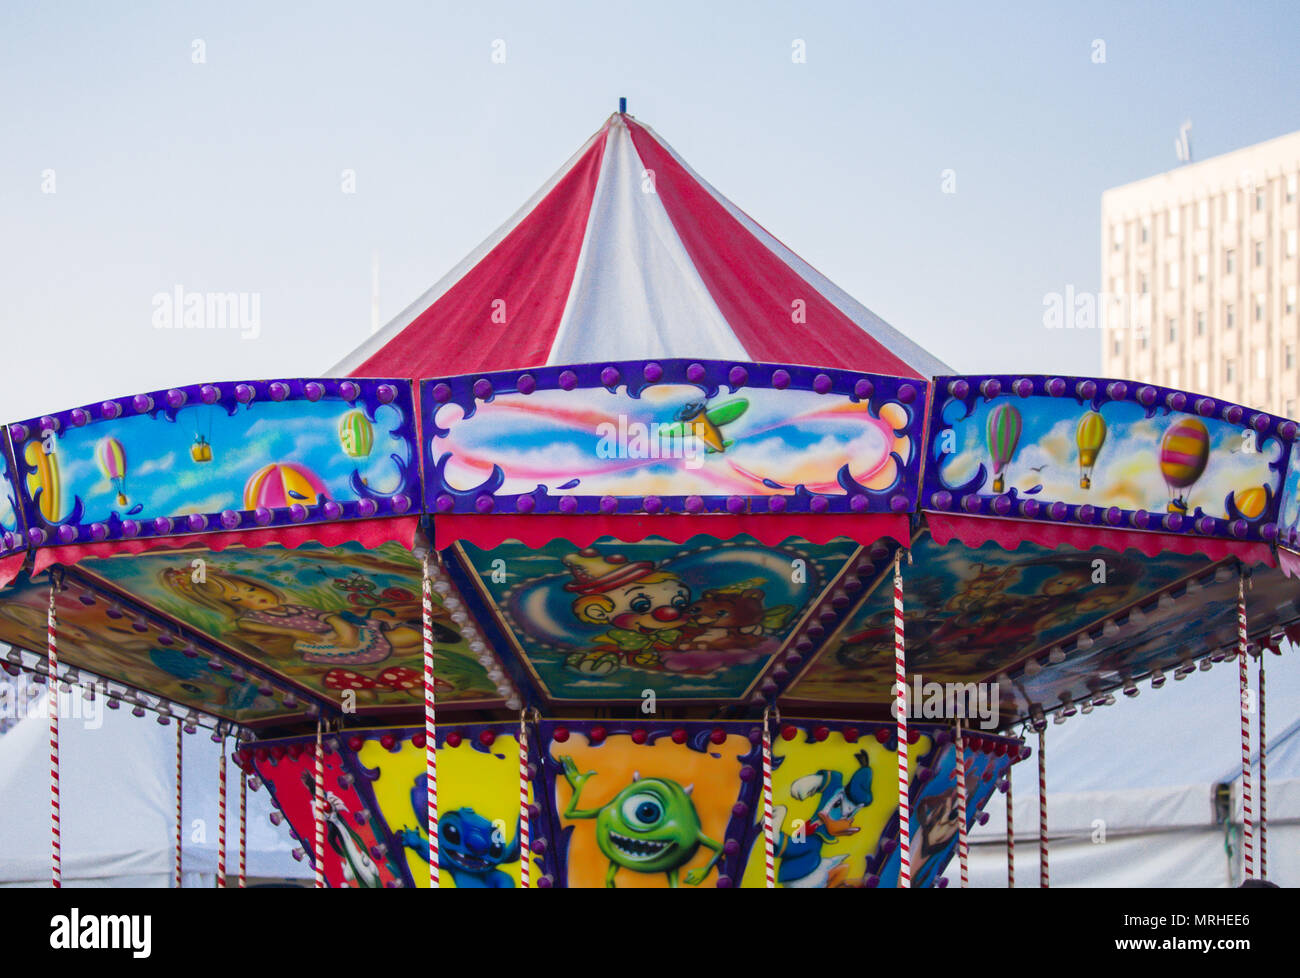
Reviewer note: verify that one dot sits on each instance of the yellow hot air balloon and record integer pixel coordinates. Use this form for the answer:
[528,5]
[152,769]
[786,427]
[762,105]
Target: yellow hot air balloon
[45,480]
[1090,435]
[1251,502]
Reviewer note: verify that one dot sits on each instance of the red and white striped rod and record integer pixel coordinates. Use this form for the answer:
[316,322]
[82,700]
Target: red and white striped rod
[52,667]
[963,852]
[1043,880]
[243,829]
[1263,779]
[179,823]
[430,726]
[900,709]
[221,815]
[525,816]
[1248,815]
[769,829]
[318,809]
[1011,837]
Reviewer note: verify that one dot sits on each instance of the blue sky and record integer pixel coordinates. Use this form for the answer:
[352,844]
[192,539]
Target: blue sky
[225,176]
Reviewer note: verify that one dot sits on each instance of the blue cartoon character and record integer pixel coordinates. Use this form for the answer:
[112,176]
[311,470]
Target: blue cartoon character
[802,863]
[469,846]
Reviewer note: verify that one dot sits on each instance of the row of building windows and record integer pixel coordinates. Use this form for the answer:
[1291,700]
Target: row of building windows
[1173,217]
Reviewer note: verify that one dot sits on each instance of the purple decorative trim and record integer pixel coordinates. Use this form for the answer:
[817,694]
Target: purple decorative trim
[709,375]
[1092,393]
[80,527]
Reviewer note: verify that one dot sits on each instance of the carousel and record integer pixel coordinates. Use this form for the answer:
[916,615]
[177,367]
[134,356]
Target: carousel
[635,553]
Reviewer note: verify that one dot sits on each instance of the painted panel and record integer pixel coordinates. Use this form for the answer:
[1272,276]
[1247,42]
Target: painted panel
[672,435]
[344,621]
[11,526]
[1111,454]
[234,456]
[612,621]
[652,807]
[101,637]
[969,613]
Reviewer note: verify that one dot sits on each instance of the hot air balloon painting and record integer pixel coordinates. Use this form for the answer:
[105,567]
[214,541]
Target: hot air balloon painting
[201,450]
[112,463]
[1184,452]
[283,484]
[356,434]
[43,481]
[1090,436]
[1003,436]
[1250,502]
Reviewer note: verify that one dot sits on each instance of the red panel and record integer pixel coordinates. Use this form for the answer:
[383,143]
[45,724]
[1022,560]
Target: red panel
[487,531]
[530,270]
[973,531]
[369,533]
[10,566]
[752,286]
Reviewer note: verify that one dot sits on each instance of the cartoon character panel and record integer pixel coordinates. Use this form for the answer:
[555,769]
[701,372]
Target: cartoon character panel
[671,430]
[968,613]
[478,802]
[105,638]
[11,527]
[650,806]
[684,621]
[359,852]
[1161,458]
[834,796]
[219,457]
[344,620]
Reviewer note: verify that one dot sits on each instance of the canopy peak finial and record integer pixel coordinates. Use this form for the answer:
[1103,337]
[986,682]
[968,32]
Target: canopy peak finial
[622,106]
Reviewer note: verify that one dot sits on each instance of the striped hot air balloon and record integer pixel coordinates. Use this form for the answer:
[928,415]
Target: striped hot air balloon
[43,483]
[1184,452]
[1003,436]
[1250,502]
[1090,436]
[283,484]
[356,434]
[111,457]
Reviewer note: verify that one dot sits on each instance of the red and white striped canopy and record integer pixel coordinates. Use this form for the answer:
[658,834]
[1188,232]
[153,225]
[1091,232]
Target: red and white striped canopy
[627,253]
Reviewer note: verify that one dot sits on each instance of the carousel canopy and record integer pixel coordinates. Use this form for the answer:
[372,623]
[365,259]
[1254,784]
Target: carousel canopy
[627,252]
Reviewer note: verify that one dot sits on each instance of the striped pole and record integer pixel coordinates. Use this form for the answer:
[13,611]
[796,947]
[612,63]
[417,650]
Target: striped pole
[318,806]
[243,828]
[1011,837]
[769,829]
[1042,807]
[430,726]
[525,843]
[1248,815]
[179,734]
[1263,780]
[52,670]
[221,815]
[963,852]
[900,709]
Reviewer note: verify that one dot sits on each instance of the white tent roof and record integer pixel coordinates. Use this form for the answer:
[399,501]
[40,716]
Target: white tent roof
[117,785]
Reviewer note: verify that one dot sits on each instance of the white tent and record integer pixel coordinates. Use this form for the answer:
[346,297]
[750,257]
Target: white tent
[1131,790]
[118,812]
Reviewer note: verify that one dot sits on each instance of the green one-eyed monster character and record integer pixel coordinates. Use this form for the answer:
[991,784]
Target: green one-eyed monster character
[651,826]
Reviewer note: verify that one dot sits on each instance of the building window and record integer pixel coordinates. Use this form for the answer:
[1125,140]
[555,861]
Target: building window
[1173,330]
[1117,237]
[1202,213]
[1229,261]
[1146,231]
[1259,308]
[1115,347]
[1229,371]
[1289,356]
[1290,188]
[1259,201]
[1232,206]
[1200,323]
[1229,316]
[1202,266]
[1142,341]
[1142,283]
[1290,409]
[1290,299]
[1259,254]
[1290,243]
